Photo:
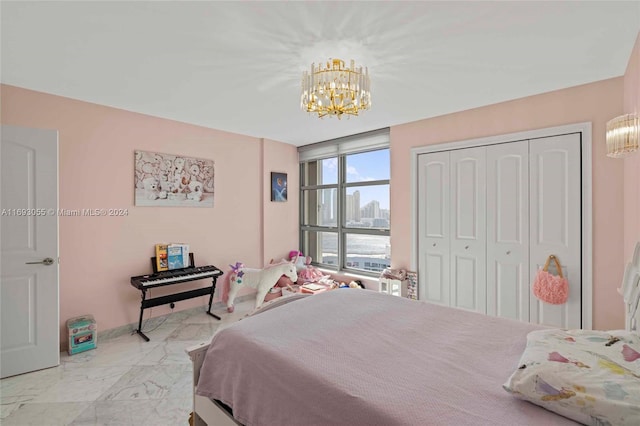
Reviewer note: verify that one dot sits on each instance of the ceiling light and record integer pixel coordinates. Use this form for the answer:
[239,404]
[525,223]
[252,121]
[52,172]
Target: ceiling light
[622,135]
[335,90]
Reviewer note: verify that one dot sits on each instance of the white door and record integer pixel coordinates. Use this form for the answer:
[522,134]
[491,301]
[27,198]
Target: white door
[29,250]
[468,229]
[555,222]
[434,229]
[508,230]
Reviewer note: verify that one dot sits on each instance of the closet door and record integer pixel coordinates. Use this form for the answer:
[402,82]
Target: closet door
[468,229]
[555,216]
[508,230]
[433,224]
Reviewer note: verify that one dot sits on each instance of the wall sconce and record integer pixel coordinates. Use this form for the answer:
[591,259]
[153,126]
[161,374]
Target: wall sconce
[622,135]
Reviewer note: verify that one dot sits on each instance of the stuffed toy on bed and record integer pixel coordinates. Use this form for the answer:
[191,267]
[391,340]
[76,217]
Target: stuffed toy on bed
[284,281]
[299,260]
[310,273]
[260,279]
[306,272]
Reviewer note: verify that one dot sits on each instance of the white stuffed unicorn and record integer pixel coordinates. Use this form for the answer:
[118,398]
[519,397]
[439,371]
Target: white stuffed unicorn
[260,279]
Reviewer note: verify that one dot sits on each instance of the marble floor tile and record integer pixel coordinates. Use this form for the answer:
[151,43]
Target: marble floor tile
[169,352]
[161,412]
[45,414]
[82,384]
[124,381]
[26,387]
[191,332]
[147,382]
[6,409]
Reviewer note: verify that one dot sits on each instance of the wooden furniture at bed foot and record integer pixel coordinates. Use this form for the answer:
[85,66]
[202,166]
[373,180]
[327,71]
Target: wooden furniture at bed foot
[176,276]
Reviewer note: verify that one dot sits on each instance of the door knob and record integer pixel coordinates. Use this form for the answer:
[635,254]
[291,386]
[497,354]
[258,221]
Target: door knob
[466,247]
[48,261]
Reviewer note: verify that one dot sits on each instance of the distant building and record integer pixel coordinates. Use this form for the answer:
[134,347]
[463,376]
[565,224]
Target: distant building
[327,207]
[352,209]
[371,210]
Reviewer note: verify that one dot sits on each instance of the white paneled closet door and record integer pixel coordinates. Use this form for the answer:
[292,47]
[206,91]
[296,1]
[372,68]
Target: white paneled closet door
[468,229]
[489,217]
[555,227]
[434,230]
[508,230]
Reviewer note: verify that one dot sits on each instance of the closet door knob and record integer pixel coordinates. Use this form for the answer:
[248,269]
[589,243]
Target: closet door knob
[466,247]
[508,251]
[434,244]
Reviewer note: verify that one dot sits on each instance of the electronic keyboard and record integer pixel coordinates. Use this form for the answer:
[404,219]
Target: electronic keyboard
[175,276]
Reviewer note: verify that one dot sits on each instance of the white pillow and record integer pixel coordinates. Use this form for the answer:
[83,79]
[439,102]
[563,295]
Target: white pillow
[583,375]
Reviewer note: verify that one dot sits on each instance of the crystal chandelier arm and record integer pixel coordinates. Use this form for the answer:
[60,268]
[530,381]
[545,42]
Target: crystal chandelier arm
[336,89]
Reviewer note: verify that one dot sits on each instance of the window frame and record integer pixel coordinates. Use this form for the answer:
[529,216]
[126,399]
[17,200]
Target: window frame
[340,229]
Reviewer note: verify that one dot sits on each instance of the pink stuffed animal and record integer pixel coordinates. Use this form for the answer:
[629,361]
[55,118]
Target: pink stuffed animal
[310,273]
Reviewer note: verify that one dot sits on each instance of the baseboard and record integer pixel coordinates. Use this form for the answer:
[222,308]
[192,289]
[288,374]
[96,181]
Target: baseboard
[130,328]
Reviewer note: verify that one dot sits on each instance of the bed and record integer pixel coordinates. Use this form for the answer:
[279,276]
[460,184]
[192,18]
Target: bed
[358,357]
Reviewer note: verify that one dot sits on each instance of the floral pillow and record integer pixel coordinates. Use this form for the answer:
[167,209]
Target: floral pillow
[592,377]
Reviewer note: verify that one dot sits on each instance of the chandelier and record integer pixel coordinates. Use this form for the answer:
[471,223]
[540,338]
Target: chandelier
[623,133]
[335,89]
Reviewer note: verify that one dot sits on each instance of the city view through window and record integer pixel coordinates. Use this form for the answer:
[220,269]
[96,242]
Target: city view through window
[365,225]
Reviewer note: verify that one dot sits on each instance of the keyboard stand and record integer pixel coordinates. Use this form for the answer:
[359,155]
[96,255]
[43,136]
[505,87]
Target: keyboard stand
[170,298]
[176,297]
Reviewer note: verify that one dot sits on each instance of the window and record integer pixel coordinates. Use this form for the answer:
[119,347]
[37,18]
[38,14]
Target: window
[344,203]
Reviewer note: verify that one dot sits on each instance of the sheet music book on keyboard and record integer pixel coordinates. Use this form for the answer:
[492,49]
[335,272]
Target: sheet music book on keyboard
[175,276]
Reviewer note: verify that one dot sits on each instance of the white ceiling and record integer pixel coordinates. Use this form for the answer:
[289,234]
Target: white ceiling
[236,66]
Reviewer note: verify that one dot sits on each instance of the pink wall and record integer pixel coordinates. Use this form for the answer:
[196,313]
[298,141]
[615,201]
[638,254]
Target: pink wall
[102,253]
[280,218]
[632,163]
[597,102]
[98,255]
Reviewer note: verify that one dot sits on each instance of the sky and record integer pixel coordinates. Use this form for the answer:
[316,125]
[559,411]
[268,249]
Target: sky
[372,165]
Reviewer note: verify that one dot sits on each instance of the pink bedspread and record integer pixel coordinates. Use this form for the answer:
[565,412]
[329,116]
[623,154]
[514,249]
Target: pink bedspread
[356,357]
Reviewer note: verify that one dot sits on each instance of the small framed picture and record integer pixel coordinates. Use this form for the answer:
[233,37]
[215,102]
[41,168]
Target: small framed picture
[278,186]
